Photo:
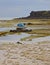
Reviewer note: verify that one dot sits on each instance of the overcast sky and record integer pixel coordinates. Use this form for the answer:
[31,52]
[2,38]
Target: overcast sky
[20,8]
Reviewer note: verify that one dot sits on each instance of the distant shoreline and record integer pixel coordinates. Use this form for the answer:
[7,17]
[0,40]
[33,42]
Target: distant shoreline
[6,18]
[33,15]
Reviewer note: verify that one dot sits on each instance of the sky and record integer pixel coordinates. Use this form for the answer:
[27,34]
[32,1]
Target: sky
[21,8]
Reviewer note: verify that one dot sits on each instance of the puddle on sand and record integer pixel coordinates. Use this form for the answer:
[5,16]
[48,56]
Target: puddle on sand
[46,38]
[7,29]
[14,37]
[36,40]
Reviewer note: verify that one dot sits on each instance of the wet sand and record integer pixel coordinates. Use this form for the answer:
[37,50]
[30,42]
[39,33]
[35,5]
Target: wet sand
[30,52]
[25,54]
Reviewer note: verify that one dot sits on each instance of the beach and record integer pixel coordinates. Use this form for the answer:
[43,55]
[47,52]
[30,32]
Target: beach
[25,54]
[25,48]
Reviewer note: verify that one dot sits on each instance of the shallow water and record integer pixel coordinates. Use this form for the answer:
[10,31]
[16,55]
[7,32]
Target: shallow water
[7,29]
[36,40]
[47,38]
[14,37]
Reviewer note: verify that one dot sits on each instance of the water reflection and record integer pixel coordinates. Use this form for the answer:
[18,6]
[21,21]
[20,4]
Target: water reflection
[14,37]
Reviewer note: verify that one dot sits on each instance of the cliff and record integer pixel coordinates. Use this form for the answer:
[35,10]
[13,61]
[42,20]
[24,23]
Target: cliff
[39,14]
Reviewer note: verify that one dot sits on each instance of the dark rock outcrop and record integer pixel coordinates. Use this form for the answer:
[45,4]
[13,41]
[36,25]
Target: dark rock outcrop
[39,14]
